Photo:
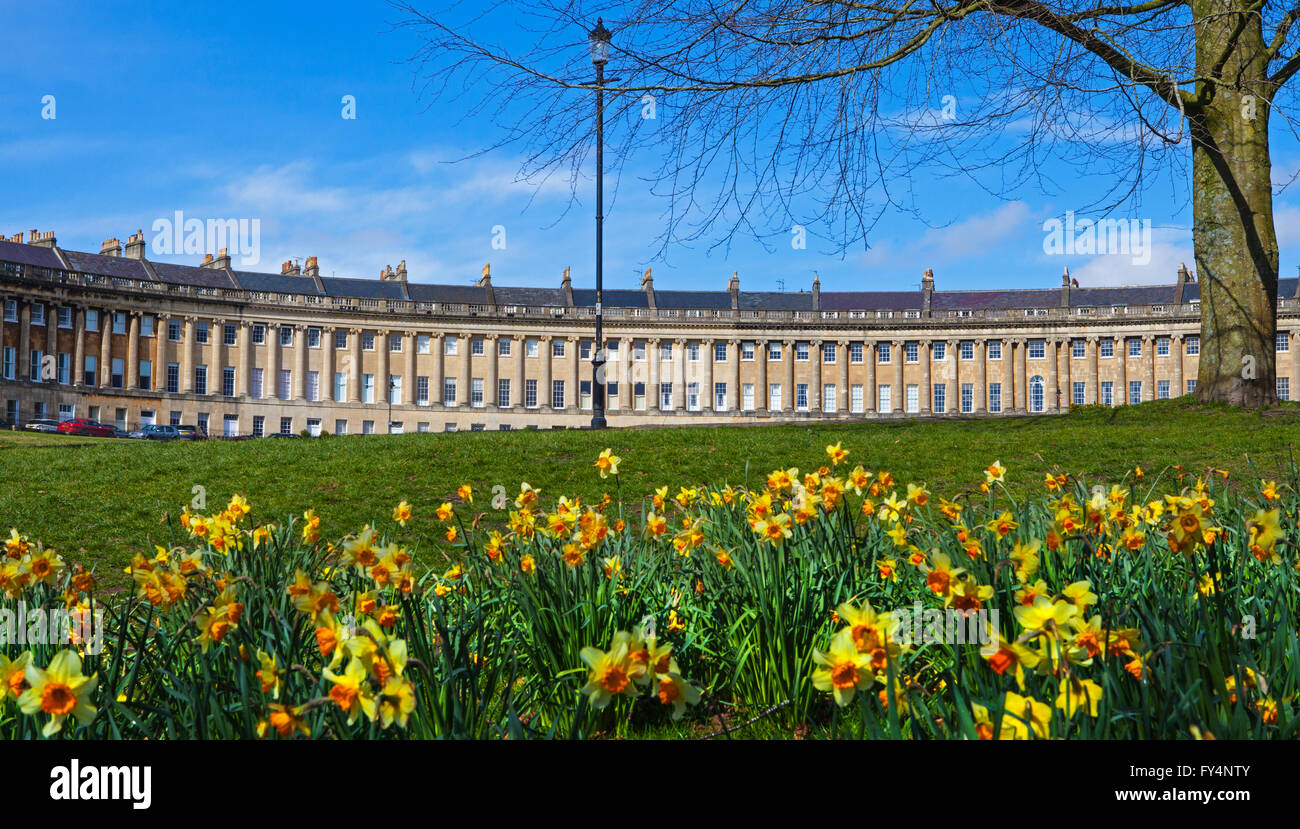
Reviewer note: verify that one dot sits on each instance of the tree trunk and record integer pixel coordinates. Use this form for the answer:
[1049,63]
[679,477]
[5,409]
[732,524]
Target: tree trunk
[1234,237]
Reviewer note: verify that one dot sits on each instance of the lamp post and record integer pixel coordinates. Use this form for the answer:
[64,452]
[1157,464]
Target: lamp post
[392,384]
[599,40]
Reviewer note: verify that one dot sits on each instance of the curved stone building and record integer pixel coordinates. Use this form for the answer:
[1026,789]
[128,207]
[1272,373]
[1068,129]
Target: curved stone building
[115,337]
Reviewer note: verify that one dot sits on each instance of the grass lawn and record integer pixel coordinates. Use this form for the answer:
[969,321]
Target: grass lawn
[98,501]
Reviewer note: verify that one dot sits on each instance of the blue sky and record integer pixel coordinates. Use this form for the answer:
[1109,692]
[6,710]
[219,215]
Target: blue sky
[234,111]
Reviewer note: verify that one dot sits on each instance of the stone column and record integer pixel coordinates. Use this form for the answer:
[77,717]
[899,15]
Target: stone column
[353,380]
[760,383]
[52,338]
[927,387]
[132,350]
[300,363]
[1067,398]
[271,372]
[437,376]
[187,355]
[869,392]
[1122,392]
[544,385]
[1053,385]
[244,369]
[327,363]
[1149,355]
[25,343]
[1094,369]
[573,399]
[1019,373]
[898,397]
[1176,348]
[627,373]
[519,349]
[217,342]
[981,402]
[409,382]
[161,349]
[733,385]
[652,356]
[788,398]
[79,350]
[381,365]
[466,370]
[843,399]
[679,375]
[815,382]
[706,381]
[490,375]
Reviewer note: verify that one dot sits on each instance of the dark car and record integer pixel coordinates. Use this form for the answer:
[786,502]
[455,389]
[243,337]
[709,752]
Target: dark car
[85,427]
[283,435]
[42,425]
[156,432]
[186,432]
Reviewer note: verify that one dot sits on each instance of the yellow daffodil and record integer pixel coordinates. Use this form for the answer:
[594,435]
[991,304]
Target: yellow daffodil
[59,691]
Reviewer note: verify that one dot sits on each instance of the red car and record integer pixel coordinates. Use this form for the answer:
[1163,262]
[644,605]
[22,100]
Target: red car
[82,426]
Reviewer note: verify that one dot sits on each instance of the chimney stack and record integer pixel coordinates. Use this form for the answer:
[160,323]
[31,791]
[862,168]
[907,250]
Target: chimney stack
[290,268]
[927,291]
[17,238]
[1065,288]
[817,292]
[390,275]
[485,281]
[1184,278]
[566,287]
[733,287]
[42,240]
[648,285]
[221,262]
[111,247]
[135,245]
[312,269]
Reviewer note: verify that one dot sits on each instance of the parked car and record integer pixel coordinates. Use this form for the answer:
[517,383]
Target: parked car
[42,425]
[156,432]
[120,433]
[282,435]
[187,432]
[85,427]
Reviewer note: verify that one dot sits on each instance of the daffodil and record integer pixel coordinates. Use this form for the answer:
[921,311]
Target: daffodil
[402,513]
[843,670]
[607,463]
[837,454]
[1076,694]
[1023,716]
[610,673]
[351,691]
[59,691]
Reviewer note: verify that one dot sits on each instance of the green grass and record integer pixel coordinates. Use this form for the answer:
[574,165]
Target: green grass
[96,500]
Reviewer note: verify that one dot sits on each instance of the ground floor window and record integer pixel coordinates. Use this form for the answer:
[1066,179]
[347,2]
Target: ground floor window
[229,426]
[286,425]
[940,398]
[1080,392]
[1037,394]
[884,403]
[912,399]
[995,398]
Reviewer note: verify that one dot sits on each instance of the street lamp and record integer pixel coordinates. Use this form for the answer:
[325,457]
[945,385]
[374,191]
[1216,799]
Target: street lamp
[599,40]
[392,385]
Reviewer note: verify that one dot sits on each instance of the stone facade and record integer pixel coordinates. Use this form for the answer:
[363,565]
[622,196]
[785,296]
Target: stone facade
[131,342]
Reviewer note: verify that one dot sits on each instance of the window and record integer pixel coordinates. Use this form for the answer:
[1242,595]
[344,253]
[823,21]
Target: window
[773,351]
[67,411]
[940,350]
[313,338]
[449,391]
[966,349]
[882,352]
[746,352]
[665,396]
[228,381]
[92,317]
[855,353]
[1107,393]
[503,346]
[855,398]
[230,426]
[530,348]
[259,426]
[200,379]
[12,411]
[1037,350]
[1107,347]
[9,366]
[1193,344]
[313,386]
[258,333]
[340,427]
[38,316]
[911,353]
[1191,386]
[34,360]
[282,389]
[1134,347]
[368,388]
[530,394]
[11,315]
[967,398]
[1135,391]
[801,352]
[720,352]
[367,341]
[368,427]
[747,397]
[884,403]
[774,397]
[638,397]
[801,397]
[1078,350]
[476,392]
[994,349]
[255,383]
[173,375]
[341,342]
[422,391]
[340,386]
[1283,388]
[692,397]
[720,397]
[286,335]
[557,390]
[1162,390]
[174,417]
[286,425]
[995,398]
[503,392]
[200,330]
[557,348]
[584,349]
[173,329]
[116,375]
[1037,394]
[395,343]
[65,320]
[830,403]
[693,352]
[638,351]
[829,349]
[228,334]
[1162,347]
[584,394]
[65,370]
[940,398]
[1283,341]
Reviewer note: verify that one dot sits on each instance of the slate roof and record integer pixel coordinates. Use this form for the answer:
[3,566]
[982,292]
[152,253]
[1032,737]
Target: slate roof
[190,275]
[115,266]
[276,283]
[871,300]
[995,300]
[34,255]
[362,288]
